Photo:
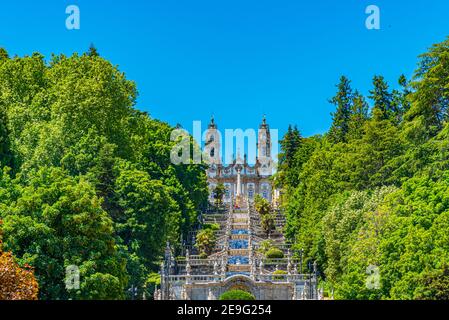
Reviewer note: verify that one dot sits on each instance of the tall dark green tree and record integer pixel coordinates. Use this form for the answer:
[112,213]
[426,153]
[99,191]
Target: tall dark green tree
[383,99]
[93,52]
[341,117]
[290,144]
[430,100]
[3,54]
[6,156]
[358,117]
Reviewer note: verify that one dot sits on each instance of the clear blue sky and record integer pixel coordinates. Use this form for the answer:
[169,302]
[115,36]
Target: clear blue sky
[235,59]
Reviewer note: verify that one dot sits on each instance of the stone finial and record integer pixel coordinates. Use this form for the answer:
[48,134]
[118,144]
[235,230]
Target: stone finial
[253,269]
[289,263]
[183,293]
[157,295]
[210,295]
[215,267]
[172,295]
[167,248]
[188,261]
[188,269]
[223,264]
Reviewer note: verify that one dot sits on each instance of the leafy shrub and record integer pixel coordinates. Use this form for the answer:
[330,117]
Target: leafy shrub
[265,246]
[279,272]
[237,295]
[211,226]
[205,241]
[274,253]
[153,280]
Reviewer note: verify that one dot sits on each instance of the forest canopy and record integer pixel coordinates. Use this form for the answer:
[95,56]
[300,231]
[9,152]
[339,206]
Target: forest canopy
[373,192]
[86,179]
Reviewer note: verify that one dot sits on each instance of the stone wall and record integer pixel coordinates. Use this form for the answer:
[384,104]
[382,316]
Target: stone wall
[261,290]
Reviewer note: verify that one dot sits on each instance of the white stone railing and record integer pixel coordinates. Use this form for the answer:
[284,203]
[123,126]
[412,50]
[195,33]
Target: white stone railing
[283,277]
[282,261]
[194,278]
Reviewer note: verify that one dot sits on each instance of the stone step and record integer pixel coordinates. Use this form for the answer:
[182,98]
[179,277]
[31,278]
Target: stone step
[239,236]
[239,226]
[238,252]
[239,268]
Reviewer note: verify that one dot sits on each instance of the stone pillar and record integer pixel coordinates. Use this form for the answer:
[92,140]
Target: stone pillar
[183,293]
[172,295]
[215,270]
[261,266]
[188,268]
[210,295]
[239,184]
[223,265]
[289,263]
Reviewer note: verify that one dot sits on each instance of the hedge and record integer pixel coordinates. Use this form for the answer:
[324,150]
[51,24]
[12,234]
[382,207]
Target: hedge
[237,295]
[274,253]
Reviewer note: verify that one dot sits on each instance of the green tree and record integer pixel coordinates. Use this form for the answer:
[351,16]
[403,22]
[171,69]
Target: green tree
[262,205]
[429,101]
[6,156]
[57,221]
[341,117]
[383,100]
[290,144]
[93,52]
[219,192]
[145,224]
[358,117]
[205,241]
[435,285]
[3,54]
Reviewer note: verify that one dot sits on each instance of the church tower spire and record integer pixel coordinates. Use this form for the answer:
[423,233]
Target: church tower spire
[212,124]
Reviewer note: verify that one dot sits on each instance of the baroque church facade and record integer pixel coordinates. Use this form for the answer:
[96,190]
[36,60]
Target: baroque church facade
[240,178]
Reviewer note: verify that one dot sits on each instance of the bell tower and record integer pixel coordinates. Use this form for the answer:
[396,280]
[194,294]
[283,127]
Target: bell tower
[264,148]
[212,146]
[264,140]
